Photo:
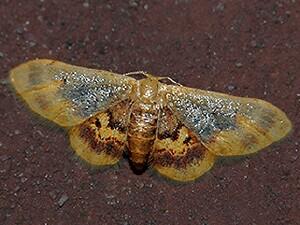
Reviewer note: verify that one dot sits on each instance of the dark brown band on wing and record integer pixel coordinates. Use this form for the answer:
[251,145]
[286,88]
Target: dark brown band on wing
[111,145]
[169,125]
[118,116]
[166,158]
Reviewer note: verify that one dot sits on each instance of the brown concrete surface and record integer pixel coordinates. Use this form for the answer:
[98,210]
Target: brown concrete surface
[245,48]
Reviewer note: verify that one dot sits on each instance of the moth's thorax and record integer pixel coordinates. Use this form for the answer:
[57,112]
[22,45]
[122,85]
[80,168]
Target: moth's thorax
[147,89]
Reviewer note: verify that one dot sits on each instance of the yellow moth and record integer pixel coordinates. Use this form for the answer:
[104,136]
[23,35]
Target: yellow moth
[176,130]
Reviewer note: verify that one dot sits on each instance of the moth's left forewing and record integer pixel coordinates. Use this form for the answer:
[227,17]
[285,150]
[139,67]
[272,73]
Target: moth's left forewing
[228,125]
[68,94]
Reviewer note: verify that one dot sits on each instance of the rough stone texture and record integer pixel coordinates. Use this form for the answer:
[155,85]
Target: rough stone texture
[253,46]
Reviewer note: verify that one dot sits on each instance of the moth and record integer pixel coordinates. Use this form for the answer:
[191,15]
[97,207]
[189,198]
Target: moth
[176,130]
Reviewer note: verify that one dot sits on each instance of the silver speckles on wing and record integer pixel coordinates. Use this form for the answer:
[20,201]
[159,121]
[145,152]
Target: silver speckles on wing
[91,93]
[204,114]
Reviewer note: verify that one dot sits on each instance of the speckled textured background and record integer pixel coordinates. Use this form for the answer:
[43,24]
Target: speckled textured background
[245,48]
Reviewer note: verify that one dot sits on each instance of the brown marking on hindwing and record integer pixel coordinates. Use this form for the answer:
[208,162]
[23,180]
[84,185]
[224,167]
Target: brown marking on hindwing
[179,153]
[169,125]
[176,145]
[169,159]
[118,116]
[89,132]
[106,132]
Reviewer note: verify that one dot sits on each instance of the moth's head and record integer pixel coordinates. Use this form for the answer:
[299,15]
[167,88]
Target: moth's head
[148,88]
[148,84]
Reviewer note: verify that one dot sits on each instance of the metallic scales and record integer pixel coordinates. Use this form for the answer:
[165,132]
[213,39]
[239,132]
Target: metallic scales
[177,131]
[204,114]
[89,92]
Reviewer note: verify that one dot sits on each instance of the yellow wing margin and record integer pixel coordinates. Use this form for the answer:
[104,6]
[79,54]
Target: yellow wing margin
[228,125]
[68,94]
[260,128]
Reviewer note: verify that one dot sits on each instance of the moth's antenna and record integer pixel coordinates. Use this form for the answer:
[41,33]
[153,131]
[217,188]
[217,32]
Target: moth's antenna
[136,72]
[170,79]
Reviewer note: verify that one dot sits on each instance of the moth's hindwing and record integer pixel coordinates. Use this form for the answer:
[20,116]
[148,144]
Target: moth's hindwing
[229,125]
[68,94]
[101,139]
[178,154]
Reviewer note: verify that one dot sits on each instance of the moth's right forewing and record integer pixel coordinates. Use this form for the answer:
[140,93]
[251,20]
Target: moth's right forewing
[68,94]
[228,125]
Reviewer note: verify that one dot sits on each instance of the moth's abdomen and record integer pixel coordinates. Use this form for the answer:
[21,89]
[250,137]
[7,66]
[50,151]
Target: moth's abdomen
[141,134]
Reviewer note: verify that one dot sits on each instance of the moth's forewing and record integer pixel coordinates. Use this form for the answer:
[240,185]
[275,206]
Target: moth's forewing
[228,125]
[68,94]
[101,140]
[177,153]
